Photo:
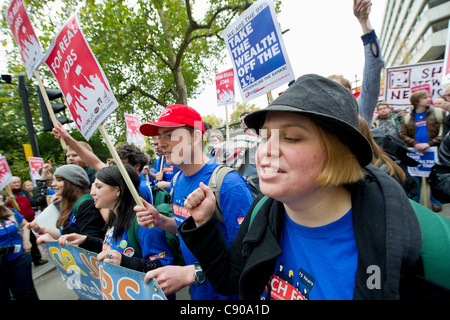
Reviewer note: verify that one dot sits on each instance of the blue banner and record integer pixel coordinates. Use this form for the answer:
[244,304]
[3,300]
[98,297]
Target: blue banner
[94,280]
[257,51]
[427,160]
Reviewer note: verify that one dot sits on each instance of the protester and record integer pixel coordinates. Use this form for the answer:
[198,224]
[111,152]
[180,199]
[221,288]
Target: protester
[28,186]
[380,158]
[180,132]
[330,222]
[215,138]
[127,153]
[15,260]
[444,103]
[390,122]
[439,178]
[423,129]
[373,64]
[247,131]
[122,244]
[165,173]
[26,203]
[72,157]
[44,187]
[391,163]
[78,211]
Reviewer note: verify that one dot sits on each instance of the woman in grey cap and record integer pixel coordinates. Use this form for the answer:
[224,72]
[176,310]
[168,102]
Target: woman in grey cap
[329,225]
[78,211]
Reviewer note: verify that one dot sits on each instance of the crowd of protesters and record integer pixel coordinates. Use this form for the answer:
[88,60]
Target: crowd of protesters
[335,200]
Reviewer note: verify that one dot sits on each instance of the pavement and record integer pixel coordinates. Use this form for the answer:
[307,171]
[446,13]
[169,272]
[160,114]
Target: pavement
[49,283]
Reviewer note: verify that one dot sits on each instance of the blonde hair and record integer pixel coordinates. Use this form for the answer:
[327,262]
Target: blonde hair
[340,79]
[83,144]
[342,166]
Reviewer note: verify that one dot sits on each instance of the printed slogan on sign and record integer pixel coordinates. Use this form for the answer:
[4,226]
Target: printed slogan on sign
[402,81]
[257,50]
[26,40]
[81,79]
[93,280]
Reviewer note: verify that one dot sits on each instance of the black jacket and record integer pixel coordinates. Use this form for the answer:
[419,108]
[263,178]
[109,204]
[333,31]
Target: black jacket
[387,235]
[439,178]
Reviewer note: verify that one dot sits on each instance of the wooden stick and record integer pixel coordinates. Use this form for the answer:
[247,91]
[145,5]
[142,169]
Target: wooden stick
[270,97]
[161,166]
[424,192]
[122,169]
[48,105]
[9,193]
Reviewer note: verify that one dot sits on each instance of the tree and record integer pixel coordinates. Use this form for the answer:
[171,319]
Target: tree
[240,108]
[213,120]
[154,52]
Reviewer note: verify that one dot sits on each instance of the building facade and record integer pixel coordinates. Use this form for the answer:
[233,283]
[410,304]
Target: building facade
[414,31]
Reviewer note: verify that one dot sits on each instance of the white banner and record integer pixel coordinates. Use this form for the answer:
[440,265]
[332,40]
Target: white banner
[402,81]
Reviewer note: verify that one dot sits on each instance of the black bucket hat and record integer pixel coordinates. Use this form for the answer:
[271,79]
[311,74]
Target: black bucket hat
[326,102]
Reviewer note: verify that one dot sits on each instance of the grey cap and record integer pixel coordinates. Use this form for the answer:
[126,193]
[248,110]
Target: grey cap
[74,174]
[328,103]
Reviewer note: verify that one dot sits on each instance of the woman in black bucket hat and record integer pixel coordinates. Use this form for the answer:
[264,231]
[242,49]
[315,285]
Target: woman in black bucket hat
[330,225]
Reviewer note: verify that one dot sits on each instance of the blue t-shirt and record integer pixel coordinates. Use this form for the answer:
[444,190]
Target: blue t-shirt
[152,241]
[421,127]
[235,200]
[316,263]
[145,192]
[169,171]
[10,236]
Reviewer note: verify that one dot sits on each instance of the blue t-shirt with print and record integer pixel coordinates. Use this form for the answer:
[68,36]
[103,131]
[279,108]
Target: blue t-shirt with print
[169,171]
[9,234]
[152,241]
[317,263]
[235,200]
[421,127]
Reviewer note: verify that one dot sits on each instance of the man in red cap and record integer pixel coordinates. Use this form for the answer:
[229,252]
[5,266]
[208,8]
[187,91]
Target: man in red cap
[180,132]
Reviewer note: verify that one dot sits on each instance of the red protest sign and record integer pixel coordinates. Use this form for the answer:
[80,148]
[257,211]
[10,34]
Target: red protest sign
[225,87]
[5,173]
[35,165]
[81,78]
[26,40]
[133,133]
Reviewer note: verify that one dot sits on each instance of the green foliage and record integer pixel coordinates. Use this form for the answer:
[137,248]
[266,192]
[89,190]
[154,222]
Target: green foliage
[239,108]
[154,53]
[214,121]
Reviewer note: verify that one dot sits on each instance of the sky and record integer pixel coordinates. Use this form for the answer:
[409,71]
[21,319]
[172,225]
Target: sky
[324,38]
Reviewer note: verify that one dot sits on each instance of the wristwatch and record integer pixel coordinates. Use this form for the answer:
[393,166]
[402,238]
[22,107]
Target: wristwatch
[199,276]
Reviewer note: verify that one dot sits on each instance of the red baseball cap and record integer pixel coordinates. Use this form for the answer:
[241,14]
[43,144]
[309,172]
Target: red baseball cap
[175,115]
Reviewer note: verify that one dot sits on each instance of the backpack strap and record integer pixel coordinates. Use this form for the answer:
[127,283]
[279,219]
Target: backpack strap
[215,182]
[133,237]
[174,180]
[435,253]
[257,208]
[83,198]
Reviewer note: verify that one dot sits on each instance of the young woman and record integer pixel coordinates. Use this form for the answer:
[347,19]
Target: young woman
[124,240]
[15,260]
[78,211]
[331,225]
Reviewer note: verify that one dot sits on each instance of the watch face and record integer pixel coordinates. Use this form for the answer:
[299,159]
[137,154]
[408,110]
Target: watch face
[199,276]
